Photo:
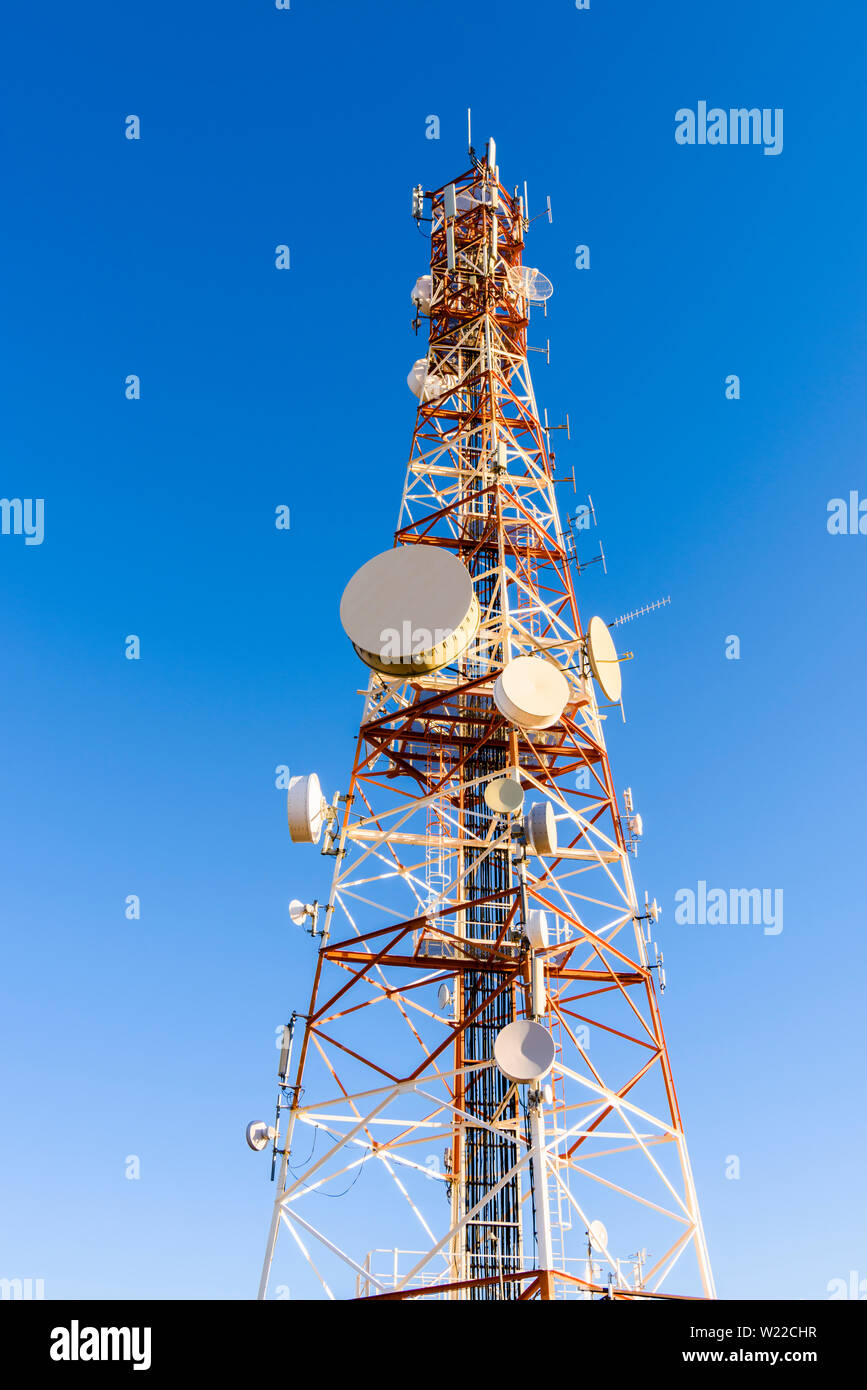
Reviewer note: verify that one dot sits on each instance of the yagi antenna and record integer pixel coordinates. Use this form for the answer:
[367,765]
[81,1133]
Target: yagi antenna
[639,612]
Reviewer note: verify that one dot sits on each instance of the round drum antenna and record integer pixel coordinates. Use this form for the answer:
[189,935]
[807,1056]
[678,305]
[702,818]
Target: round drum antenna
[531,692]
[307,809]
[504,795]
[524,1051]
[410,610]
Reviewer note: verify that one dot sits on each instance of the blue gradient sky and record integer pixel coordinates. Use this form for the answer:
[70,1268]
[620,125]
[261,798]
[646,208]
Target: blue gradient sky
[259,387]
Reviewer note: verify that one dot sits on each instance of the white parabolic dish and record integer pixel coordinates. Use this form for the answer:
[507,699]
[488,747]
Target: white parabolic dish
[421,380]
[537,928]
[531,692]
[524,1051]
[504,795]
[257,1135]
[421,297]
[598,1236]
[540,827]
[530,283]
[602,655]
[410,610]
[305,806]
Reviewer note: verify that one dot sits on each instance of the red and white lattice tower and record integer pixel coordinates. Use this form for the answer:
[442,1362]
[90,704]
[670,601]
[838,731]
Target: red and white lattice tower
[409,1164]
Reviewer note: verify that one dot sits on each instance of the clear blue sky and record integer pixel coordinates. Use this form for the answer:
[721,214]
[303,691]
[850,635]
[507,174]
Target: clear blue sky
[260,387]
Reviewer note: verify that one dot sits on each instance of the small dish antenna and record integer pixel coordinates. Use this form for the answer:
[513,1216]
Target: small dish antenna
[530,283]
[426,384]
[307,809]
[531,692]
[422,292]
[604,662]
[410,610]
[634,822]
[259,1135]
[524,1051]
[444,996]
[540,828]
[299,913]
[598,1237]
[416,375]
[504,795]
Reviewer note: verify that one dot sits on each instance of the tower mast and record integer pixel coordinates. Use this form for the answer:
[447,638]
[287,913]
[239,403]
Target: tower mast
[482,903]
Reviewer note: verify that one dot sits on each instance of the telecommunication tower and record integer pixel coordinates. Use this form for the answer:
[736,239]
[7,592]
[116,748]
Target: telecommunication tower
[477,1101]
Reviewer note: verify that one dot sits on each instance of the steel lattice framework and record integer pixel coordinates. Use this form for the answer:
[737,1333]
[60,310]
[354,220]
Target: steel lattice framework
[457,1183]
